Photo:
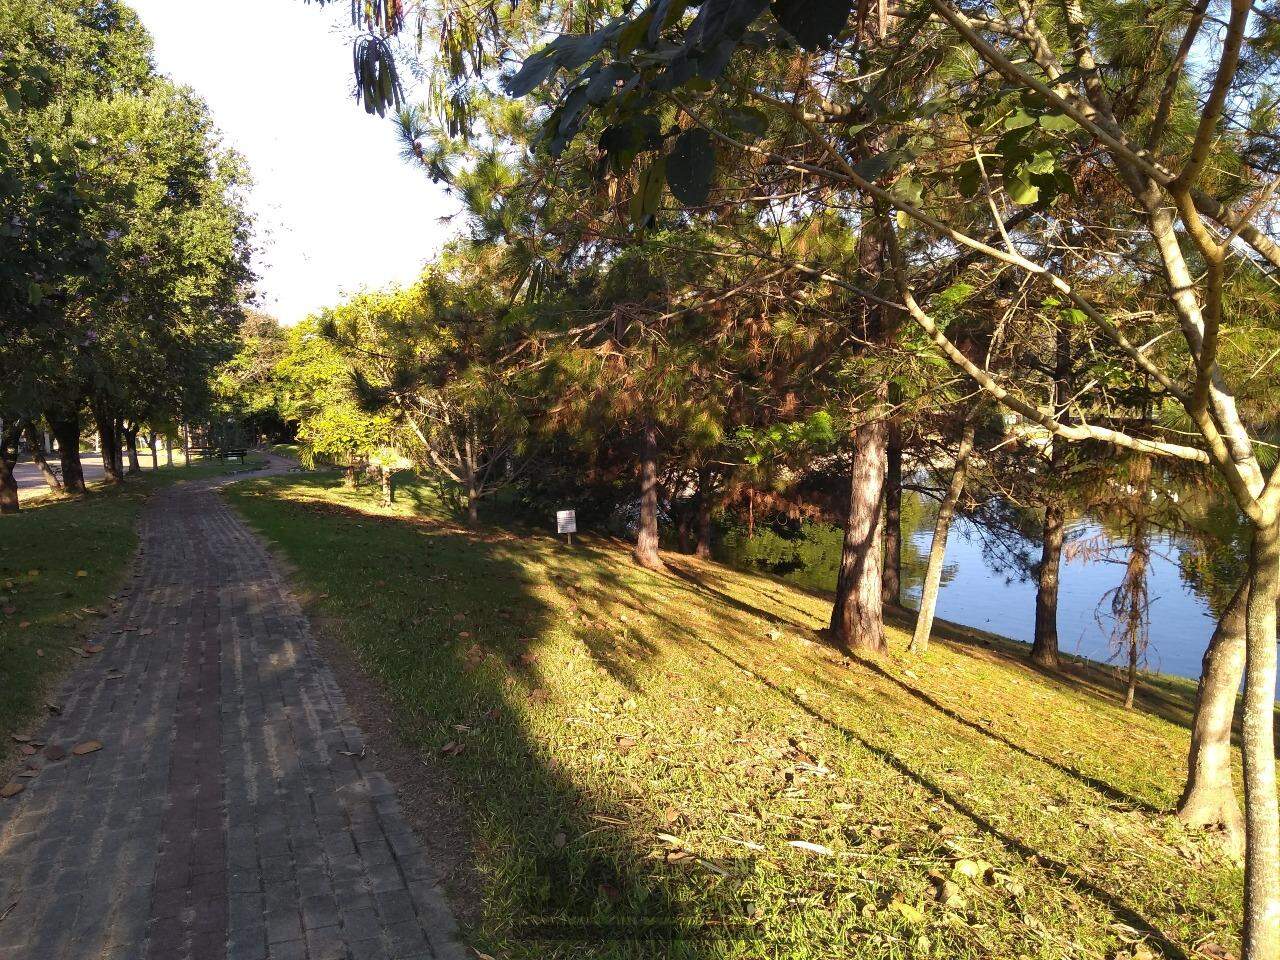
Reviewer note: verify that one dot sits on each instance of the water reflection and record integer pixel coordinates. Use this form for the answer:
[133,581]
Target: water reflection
[1188,571]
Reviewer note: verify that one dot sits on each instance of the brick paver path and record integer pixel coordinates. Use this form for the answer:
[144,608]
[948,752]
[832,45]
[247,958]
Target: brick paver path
[229,813]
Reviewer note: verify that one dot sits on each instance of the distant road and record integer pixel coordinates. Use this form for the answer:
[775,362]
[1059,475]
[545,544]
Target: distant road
[30,482]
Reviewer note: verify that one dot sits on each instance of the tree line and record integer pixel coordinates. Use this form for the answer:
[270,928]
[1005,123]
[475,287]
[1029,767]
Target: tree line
[124,239]
[756,244]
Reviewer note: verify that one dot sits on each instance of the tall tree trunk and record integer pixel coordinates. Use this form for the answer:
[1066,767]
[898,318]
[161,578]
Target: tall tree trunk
[9,434]
[186,445]
[388,492]
[892,579]
[131,444]
[168,450]
[1044,648]
[1209,798]
[646,552]
[109,441]
[67,431]
[857,617]
[938,548]
[35,440]
[703,548]
[155,457]
[1261,937]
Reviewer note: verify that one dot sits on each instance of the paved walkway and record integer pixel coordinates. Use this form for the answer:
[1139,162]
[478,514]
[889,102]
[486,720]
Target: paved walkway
[228,813]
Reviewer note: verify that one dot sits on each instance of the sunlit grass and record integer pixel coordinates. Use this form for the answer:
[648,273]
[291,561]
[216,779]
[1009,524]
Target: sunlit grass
[677,765]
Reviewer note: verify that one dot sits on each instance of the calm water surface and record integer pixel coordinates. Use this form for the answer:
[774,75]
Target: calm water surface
[976,593]
[978,596]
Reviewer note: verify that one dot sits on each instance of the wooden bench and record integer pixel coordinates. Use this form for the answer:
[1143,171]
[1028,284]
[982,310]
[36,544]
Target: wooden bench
[232,454]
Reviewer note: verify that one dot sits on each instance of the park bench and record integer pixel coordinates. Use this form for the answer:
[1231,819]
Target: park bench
[197,452]
[232,453]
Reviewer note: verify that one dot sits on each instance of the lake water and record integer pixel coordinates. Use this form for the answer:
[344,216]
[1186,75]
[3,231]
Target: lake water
[978,596]
[976,593]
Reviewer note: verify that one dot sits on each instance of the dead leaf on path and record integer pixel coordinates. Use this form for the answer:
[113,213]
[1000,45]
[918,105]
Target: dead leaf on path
[12,789]
[625,744]
[1216,951]
[27,750]
[53,707]
[89,746]
[20,737]
[811,847]
[55,752]
[93,648]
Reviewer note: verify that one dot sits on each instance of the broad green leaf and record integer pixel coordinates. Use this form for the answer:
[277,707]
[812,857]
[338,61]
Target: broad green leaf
[1057,122]
[814,23]
[691,166]
[1018,119]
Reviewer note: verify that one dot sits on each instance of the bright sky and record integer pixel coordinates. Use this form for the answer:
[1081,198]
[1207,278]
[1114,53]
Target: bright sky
[336,207]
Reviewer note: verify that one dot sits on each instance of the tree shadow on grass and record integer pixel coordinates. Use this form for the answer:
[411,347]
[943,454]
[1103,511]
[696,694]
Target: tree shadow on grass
[1059,870]
[562,867]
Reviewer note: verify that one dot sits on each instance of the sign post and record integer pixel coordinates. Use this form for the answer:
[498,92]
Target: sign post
[567,523]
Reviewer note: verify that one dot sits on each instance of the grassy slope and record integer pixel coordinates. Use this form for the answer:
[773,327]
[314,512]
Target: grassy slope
[60,559]
[641,751]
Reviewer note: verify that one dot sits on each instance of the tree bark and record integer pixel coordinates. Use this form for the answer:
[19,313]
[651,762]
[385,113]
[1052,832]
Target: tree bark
[9,435]
[1209,797]
[646,552]
[131,444]
[67,431]
[703,548]
[938,547]
[1261,936]
[168,450]
[1044,649]
[388,492]
[109,441]
[186,445]
[155,457]
[892,580]
[857,618]
[36,442]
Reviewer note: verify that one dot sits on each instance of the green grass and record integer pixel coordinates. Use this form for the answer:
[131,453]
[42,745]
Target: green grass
[642,759]
[291,451]
[60,560]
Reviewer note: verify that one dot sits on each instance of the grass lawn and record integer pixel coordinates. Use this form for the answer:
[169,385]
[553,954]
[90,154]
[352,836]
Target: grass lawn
[676,765]
[60,560]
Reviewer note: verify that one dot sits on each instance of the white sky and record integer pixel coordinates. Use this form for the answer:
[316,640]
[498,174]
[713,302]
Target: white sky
[336,207]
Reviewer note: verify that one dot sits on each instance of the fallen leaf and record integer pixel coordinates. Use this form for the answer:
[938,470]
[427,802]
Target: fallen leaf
[811,847]
[55,752]
[909,913]
[12,789]
[625,744]
[20,737]
[82,573]
[89,746]
[24,624]
[28,750]
[93,648]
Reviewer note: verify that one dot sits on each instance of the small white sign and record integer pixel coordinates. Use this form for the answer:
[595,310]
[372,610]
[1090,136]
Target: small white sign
[566,521]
